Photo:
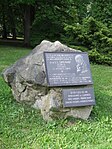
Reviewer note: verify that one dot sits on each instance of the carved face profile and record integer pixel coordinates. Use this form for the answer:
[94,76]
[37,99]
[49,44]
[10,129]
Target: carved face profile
[80,64]
[79,59]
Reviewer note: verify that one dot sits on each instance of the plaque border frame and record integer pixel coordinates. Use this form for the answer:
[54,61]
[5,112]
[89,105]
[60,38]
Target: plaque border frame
[62,85]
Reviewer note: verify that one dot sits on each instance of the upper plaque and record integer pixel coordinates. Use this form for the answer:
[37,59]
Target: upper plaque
[67,68]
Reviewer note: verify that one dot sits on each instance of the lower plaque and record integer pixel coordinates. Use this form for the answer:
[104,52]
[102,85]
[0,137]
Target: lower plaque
[78,97]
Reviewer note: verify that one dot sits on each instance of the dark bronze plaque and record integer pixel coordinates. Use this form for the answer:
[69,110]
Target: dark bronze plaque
[67,68]
[78,97]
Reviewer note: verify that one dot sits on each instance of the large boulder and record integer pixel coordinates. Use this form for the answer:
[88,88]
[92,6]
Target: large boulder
[27,79]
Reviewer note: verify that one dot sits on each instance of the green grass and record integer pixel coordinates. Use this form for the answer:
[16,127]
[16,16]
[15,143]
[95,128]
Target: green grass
[22,127]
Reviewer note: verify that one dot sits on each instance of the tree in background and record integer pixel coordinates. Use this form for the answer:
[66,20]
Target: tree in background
[28,18]
[3,19]
[16,16]
[48,23]
[101,10]
[48,19]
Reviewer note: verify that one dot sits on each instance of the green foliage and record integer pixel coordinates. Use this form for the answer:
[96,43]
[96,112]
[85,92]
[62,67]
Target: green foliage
[45,25]
[91,34]
[81,48]
[28,2]
[49,20]
[22,127]
[45,29]
[98,58]
[83,24]
[101,10]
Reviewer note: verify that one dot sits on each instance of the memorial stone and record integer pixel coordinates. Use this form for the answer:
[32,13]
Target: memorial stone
[28,82]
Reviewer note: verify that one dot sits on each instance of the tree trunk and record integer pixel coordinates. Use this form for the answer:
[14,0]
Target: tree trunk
[12,21]
[27,26]
[14,33]
[4,34]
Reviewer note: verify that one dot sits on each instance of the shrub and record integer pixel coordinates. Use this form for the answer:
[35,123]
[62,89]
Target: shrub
[91,34]
[98,58]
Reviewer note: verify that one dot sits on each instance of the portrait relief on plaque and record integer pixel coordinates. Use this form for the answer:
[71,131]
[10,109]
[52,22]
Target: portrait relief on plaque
[81,66]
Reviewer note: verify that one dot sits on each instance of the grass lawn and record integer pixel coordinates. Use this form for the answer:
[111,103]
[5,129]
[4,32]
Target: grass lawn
[22,127]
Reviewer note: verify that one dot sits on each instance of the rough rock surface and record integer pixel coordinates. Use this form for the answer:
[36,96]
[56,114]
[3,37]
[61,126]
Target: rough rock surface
[27,80]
